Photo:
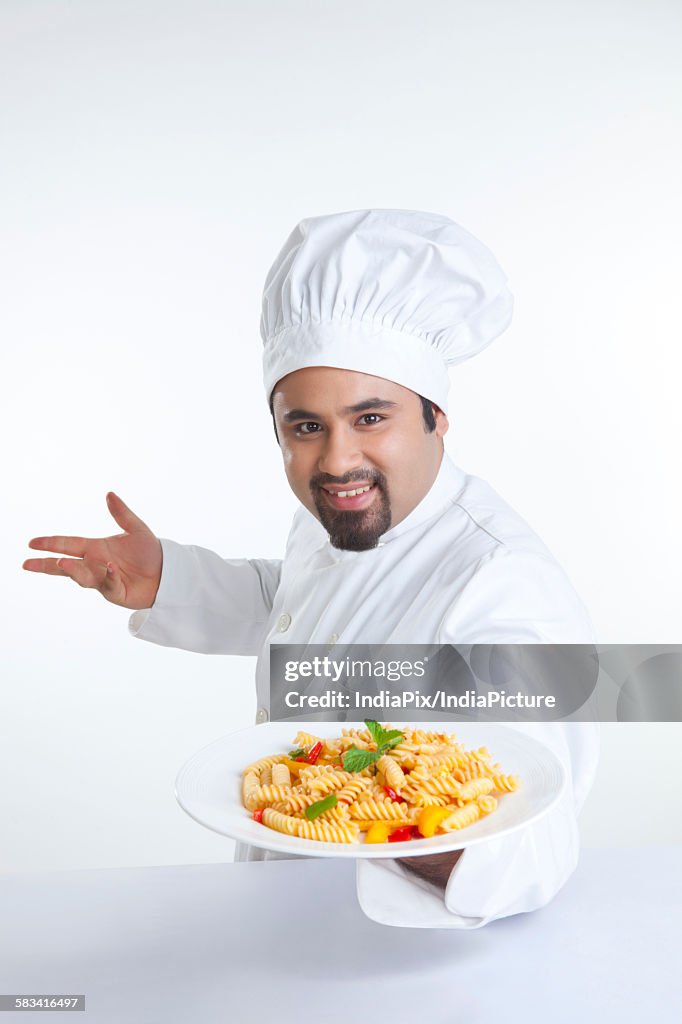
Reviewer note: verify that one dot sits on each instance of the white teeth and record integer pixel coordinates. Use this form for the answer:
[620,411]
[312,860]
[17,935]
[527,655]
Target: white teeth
[351,494]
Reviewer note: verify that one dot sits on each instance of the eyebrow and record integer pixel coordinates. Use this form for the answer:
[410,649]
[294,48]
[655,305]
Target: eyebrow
[369,403]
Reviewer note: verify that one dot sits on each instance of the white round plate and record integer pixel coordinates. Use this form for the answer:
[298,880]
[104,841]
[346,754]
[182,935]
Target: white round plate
[208,788]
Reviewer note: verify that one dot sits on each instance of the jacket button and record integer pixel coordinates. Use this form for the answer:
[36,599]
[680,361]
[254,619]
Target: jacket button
[262,716]
[283,623]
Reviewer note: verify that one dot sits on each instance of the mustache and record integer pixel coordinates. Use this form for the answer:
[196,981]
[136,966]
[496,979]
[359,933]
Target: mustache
[373,476]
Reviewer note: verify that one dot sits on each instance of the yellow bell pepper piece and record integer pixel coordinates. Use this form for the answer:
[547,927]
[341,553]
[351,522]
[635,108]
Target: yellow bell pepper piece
[430,818]
[378,831]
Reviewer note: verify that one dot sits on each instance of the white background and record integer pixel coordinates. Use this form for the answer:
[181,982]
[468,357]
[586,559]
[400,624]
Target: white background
[156,156]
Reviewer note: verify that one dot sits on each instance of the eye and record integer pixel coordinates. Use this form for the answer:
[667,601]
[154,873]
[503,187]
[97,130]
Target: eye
[370,419]
[308,428]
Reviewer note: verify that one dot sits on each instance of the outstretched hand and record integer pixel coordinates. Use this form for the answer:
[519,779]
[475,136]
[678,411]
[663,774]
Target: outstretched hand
[126,568]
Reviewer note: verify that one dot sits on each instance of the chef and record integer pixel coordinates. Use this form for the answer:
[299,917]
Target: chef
[363,313]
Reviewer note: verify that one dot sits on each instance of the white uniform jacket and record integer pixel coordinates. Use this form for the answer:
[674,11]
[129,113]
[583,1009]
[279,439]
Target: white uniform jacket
[461,569]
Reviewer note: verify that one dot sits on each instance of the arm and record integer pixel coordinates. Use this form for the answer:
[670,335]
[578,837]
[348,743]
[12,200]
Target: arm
[531,616]
[209,604]
[512,875]
[515,598]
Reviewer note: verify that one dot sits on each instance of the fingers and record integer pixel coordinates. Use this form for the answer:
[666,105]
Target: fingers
[64,545]
[48,565]
[105,578]
[76,546]
[124,516]
[75,568]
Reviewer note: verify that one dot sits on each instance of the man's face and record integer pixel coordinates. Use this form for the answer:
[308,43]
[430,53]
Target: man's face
[342,431]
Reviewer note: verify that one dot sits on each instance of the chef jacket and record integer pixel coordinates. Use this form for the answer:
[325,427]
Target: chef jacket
[462,568]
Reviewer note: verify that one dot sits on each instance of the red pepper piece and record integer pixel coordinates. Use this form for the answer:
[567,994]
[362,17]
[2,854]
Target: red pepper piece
[394,796]
[305,759]
[314,752]
[258,815]
[402,834]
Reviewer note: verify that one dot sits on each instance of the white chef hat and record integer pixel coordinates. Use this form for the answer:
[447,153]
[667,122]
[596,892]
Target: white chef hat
[399,294]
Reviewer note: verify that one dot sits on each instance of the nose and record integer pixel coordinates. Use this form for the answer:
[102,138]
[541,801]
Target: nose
[340,453]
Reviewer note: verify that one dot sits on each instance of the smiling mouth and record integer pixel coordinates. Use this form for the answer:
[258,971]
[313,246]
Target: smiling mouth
[350,499]
[349,493]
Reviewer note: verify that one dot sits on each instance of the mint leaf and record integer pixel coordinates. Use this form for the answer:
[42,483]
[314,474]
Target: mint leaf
[355,760]
[375,730]
[392,738]
[385,738]
[320,806]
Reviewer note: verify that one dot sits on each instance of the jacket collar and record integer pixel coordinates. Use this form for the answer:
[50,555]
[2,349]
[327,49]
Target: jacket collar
[444,489]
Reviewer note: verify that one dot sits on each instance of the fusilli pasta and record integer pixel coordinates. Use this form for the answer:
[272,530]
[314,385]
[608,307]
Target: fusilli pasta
[426,780]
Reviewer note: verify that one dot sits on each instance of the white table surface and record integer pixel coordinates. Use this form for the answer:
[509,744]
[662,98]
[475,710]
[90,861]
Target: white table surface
[286,940]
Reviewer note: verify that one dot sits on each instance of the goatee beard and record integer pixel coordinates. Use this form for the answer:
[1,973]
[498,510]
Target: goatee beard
[355,530]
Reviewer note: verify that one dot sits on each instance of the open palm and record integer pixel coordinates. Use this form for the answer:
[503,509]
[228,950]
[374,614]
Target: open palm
[126,568]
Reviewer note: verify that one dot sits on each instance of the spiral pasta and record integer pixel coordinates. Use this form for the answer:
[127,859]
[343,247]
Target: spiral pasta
[462,817]
[426,779]
[328,831]
[281,776]
[393,773]
[378,810]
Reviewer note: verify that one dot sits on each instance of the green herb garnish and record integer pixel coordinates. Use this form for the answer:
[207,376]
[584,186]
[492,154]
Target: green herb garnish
[293,754]
[384,738]
[355,760]
[320,806]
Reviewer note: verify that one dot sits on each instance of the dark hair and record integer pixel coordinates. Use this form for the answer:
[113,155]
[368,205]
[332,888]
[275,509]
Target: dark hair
[427,414]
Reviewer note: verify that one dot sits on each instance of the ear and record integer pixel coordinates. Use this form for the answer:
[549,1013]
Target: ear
[442,422]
